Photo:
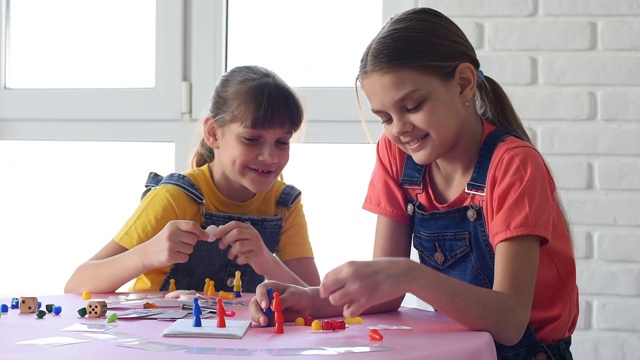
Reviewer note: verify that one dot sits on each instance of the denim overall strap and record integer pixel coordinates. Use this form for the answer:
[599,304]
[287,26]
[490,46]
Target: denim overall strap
[288,196]
[176,179]
[455,242]
[412,174]
[478,181]
[209,261]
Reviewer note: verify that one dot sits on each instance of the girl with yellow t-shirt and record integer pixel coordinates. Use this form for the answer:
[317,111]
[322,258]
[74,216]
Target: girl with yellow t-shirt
[233,188]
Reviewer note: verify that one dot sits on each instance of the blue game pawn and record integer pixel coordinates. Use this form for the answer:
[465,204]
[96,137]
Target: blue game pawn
[268,310]
[197,312]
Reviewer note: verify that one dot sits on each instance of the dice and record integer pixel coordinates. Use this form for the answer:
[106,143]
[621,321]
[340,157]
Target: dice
[28,304]
[96,309]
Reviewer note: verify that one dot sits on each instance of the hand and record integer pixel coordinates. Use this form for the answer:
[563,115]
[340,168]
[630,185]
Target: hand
[295,301]
[247,246]
[359,285]
[173,244]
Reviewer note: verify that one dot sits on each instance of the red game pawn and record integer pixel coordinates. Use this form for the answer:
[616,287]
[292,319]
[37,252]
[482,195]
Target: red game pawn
[279,328]
[221,312]
[276,302]
[375,335]
[278,315]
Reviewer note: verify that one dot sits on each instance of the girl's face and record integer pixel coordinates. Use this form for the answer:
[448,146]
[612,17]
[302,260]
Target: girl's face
[248,161]
[421,114]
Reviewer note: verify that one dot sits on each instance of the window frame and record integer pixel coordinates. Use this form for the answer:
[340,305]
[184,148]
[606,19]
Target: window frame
[163,102]
[341,122]
[186,72]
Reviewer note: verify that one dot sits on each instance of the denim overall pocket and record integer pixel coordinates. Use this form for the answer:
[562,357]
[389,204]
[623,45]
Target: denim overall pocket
[450,253]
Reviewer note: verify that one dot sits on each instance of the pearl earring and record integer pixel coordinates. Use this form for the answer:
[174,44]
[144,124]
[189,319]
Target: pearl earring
[466,103]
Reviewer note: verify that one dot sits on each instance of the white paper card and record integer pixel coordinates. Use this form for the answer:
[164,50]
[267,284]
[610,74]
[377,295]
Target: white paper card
[235,329]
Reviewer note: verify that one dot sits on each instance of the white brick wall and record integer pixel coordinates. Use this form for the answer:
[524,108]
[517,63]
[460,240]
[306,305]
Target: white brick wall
[572,70]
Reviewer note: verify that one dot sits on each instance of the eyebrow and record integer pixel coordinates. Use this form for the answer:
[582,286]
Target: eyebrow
[401,99]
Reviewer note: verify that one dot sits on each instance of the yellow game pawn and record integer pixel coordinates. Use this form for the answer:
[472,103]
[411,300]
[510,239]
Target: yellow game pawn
[237,285]
[172,285]
[86,295]
[226,295]
[206,286]
[212,288]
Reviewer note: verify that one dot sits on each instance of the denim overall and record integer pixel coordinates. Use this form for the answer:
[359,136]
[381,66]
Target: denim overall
[455,242]
[209,261]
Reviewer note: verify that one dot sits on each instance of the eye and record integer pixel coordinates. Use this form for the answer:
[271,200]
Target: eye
[250,140]
[414,109]
[386,120]
[283,143]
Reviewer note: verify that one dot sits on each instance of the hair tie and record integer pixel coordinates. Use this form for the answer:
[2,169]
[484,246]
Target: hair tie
[480,77]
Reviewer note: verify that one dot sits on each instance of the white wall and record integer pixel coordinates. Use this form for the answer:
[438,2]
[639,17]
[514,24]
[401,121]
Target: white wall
[572,70]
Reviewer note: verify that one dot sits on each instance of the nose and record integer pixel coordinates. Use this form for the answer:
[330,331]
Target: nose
[269,154]
[400,126]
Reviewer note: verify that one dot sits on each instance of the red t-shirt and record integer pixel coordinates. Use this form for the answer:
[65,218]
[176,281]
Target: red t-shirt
[520,200]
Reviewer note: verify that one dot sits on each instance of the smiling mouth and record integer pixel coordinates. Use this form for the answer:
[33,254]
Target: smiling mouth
[262,171]
[416,141]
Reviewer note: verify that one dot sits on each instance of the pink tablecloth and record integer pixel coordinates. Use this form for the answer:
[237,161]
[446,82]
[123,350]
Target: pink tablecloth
[433,337]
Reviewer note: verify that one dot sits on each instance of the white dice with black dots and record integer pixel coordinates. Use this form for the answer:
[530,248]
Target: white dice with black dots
[96,309]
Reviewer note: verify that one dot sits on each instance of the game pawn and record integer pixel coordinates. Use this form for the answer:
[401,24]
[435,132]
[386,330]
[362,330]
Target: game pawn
[278,315]
[197,313]
[268,312]
[221,312]
[237,285]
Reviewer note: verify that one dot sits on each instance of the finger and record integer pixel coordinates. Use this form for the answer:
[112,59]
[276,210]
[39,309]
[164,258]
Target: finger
[191,227]
[238,236]
[256,312]
[223,230]
[183,248]
[228,239]
[331,283]
[352,310]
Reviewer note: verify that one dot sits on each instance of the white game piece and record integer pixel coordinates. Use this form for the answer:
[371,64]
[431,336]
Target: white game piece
[210,230]
[176,294]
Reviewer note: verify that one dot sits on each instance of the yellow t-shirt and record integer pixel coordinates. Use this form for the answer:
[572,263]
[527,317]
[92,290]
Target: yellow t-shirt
[169,202]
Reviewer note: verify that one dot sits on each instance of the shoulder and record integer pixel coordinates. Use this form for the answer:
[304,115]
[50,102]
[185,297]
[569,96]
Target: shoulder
[518,163]
[201,176]
[515,152]
[389,157]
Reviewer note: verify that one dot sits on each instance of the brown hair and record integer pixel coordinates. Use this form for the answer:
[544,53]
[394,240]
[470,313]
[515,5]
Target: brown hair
[425,40]
[257,98]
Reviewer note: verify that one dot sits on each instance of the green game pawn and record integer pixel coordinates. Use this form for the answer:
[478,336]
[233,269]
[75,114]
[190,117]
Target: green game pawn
[40,314]
[82,312]
[112,317]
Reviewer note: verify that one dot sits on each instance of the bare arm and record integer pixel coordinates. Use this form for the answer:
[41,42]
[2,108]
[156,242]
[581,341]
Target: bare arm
[300,271]
[305,269]
[114,265]
[98,275]
[247,247]
[379,285]
[503,311]
[393,239]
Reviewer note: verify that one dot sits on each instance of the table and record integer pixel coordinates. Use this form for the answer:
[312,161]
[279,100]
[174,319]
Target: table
[433,336]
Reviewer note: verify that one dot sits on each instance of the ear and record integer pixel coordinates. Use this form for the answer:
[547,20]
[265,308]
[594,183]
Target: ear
[211,132]
[465,77]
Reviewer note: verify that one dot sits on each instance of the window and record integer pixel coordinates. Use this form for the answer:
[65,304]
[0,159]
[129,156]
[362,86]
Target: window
[70,132]
[75,45]
[311,44]
[77,50]
[63,200]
